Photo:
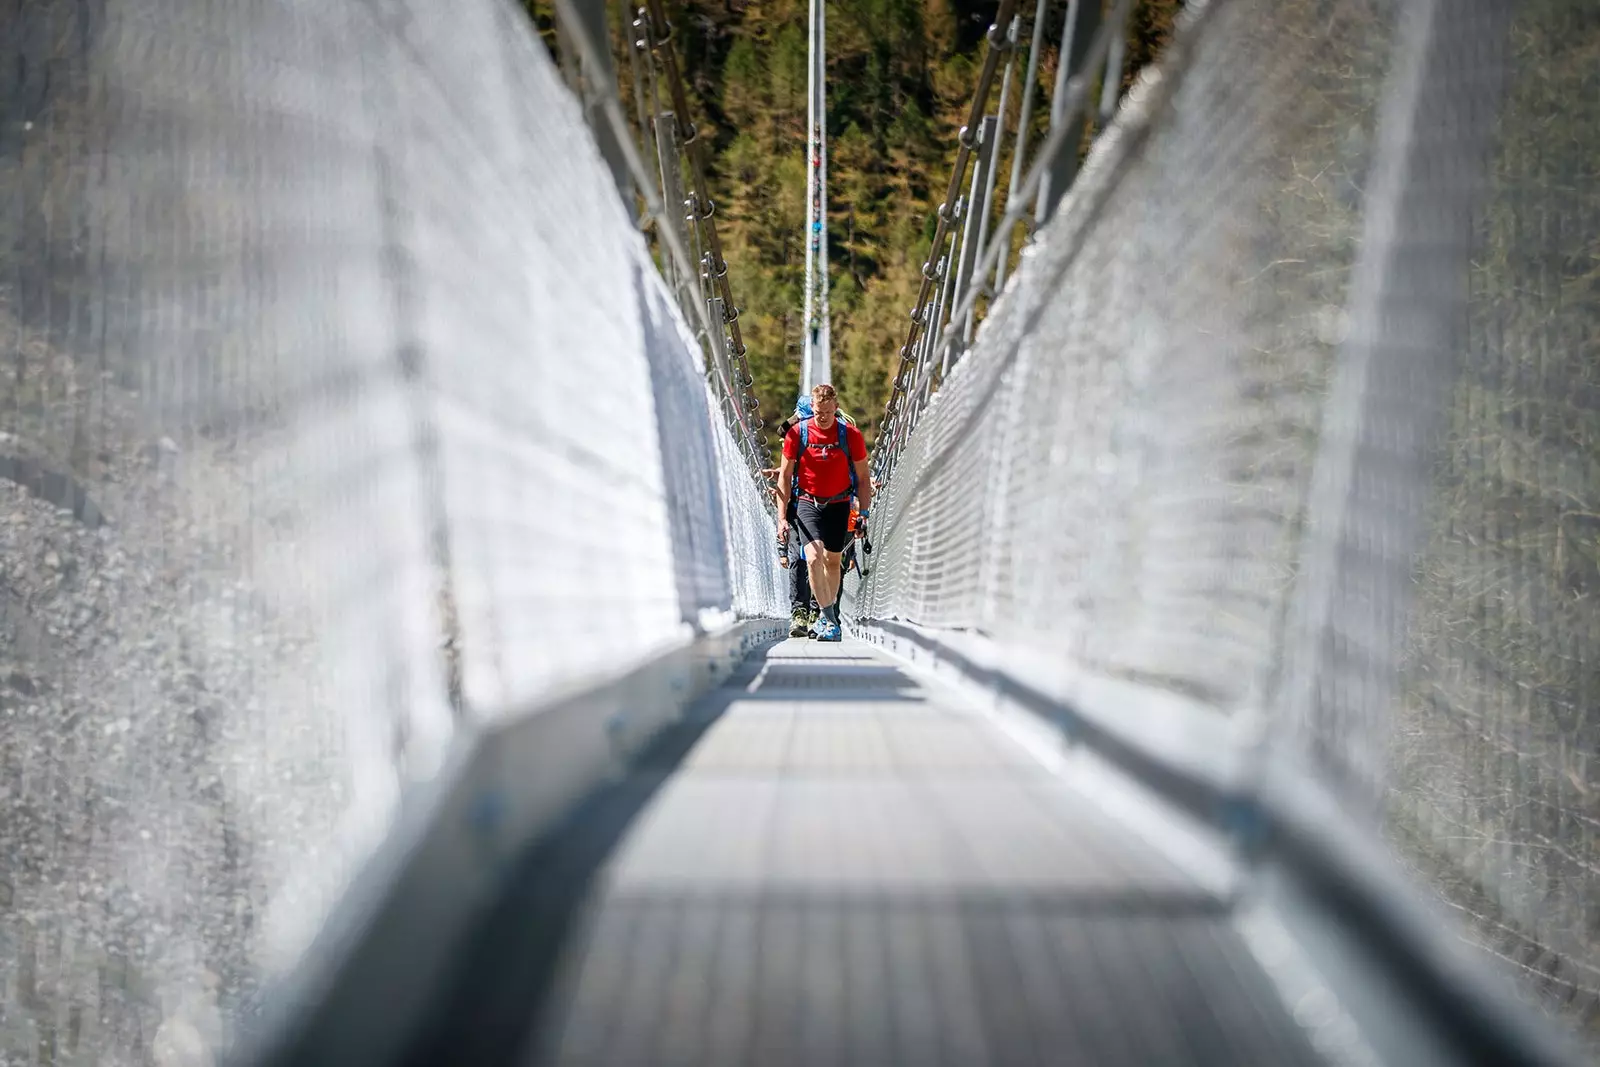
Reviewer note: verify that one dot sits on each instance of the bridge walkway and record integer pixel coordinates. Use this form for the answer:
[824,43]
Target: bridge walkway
[831,860]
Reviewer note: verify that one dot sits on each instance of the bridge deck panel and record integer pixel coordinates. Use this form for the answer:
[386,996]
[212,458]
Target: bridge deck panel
[849,866]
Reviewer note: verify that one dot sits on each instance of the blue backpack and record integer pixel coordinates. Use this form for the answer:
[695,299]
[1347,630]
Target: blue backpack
[844,443]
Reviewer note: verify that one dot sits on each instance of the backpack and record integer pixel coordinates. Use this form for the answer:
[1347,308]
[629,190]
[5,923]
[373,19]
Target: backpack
[844,443]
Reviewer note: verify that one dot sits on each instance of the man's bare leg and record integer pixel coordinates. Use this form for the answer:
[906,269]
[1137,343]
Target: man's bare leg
[823,568]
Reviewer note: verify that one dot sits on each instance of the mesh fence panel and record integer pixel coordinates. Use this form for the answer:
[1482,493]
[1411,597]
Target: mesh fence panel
[1116,471]
[1494,787]
[1121,476]
[341,403]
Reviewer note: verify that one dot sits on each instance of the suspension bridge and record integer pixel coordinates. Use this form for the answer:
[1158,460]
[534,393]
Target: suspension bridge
[395,638]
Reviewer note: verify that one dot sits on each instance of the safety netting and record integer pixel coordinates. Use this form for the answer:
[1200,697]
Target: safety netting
[1494,786]
[1114,473]
[343,409]
[1290,415]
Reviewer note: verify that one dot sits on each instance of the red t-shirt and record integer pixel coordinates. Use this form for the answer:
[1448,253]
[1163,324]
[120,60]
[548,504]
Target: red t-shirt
[825,468]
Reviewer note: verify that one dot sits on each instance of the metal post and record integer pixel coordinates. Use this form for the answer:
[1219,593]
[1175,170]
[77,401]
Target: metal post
[936,336]
[977,215]
[809,311]
[946,302]
[925,345]
[922,374]
[652,85]
[939,347]
[671,190]
[1077,33]
[815,362]
[822,359]
[638,32]
[994,153]
[1018,151]
[729,383]
[930,337]
[719,345]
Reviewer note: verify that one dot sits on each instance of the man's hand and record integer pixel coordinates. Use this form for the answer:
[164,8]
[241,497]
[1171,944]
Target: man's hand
[783,531]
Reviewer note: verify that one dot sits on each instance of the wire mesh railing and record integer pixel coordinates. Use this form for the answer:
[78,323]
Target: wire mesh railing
[684,220]
[1491,776]
[1288,413]
[344,411]
[965,264]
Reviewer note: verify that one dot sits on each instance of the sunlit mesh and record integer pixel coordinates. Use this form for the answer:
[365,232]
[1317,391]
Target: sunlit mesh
[759,588]
[1116,470]
[1120,476]
[341,403]
[1495,785]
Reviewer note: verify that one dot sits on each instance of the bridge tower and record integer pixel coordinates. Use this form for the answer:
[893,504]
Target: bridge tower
[816,365]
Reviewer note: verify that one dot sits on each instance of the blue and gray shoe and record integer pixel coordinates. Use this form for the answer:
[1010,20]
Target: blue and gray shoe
[828,630]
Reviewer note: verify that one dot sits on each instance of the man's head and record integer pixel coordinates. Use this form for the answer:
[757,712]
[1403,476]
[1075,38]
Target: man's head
[825,402]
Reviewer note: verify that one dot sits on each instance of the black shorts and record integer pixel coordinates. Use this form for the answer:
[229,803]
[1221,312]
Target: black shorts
[828,523]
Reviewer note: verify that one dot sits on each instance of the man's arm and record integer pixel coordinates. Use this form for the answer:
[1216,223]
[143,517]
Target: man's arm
[786,461]
[785,482]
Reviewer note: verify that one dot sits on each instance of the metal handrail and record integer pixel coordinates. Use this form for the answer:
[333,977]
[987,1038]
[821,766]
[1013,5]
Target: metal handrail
[998,43]
[911,375]
[704,207]
[739,401]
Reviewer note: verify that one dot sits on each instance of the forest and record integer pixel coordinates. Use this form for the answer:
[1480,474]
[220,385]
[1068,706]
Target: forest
[900,79]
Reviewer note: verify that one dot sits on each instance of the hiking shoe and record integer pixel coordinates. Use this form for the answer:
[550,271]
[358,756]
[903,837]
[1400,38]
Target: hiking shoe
[827,630]
[799,622]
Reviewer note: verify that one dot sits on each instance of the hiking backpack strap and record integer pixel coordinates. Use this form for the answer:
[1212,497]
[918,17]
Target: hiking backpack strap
[805,442]
[844,443]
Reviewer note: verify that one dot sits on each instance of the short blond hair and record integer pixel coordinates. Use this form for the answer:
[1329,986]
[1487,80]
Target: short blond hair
[823,391]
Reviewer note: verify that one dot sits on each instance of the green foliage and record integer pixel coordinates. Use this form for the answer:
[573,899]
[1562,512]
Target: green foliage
[900,79]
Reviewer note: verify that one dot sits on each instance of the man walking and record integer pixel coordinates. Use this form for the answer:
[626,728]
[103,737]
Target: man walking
[824,465]
[791,553]
[791,556]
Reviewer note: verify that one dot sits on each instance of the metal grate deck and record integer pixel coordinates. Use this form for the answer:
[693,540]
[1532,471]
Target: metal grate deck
[837,864]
